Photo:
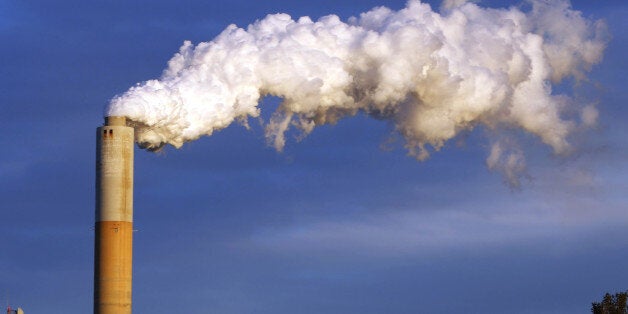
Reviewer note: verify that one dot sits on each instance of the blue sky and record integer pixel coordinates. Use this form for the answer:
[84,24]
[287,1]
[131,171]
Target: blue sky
[337,223]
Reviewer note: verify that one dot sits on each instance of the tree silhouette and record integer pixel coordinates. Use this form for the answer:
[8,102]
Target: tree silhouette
[611,304]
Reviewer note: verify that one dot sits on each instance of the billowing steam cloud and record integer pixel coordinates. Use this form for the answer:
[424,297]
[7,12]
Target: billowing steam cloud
[433,75]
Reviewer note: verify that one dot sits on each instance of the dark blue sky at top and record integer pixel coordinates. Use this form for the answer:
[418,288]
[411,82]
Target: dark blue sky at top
[336,223]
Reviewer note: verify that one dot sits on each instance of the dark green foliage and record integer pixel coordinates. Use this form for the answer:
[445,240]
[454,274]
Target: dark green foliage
[611,304]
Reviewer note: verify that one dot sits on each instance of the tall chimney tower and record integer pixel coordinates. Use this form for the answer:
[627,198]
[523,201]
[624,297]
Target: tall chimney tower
[113,247]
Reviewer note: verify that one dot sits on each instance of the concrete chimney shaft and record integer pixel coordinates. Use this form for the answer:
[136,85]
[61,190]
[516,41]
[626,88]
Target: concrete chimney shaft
[113,247]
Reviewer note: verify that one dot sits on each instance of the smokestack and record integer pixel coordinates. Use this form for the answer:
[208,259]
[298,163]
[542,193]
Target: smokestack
[113,251]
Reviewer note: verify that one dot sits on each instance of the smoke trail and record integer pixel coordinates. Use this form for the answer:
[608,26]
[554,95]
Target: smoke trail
[432,75]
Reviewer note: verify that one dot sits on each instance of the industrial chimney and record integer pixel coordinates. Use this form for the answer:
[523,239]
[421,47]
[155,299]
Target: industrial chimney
[113,247]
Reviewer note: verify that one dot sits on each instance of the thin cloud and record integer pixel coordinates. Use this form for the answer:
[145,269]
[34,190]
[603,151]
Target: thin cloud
[416,231]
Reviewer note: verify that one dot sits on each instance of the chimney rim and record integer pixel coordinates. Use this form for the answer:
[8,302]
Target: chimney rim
[115,120]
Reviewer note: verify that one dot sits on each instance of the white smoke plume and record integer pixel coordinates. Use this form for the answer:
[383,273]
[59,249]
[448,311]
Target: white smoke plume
[433,75]
[507,158]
